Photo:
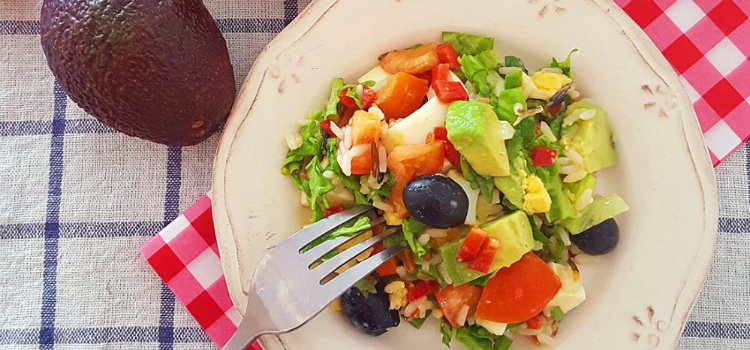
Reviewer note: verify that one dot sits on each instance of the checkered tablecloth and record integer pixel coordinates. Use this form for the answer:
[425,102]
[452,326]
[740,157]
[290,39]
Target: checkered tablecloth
[78,201]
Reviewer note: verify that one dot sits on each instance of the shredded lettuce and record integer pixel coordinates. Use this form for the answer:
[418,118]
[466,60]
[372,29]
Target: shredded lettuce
[564,65]
[447,331]
[481,281]
[360,225]
[411,229]
[485,184]
[333,99]
[312,136]
[523,136]
[476,337]
[513,61]
[561,207]
[468,44]
[514,79]
[505,102]
[538,235]
[418,322]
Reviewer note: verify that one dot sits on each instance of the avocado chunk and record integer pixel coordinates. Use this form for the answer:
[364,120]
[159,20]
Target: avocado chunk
[600,209]
[592,138]
[516,239]
[475,131]
[158,70]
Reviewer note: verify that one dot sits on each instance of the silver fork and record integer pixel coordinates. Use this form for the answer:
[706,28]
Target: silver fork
[285,292]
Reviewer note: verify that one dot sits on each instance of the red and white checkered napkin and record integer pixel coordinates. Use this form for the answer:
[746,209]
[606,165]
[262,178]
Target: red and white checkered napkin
[707,42]
[185,256]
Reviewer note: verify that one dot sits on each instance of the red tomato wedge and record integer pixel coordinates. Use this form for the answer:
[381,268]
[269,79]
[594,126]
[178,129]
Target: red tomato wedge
[402,94]
[518,292]
[447,54]
[472,244]
[412,61]
[485,257]
[408,162]
[452,299]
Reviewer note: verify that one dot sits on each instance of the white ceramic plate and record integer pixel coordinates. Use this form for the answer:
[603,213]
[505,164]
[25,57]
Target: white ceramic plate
[639,296]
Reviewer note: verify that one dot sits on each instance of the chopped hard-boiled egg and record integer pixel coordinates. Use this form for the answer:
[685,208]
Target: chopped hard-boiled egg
[376,74]
[571,293]
[397,293]
[495,328]
[536,199]
[472,194]
[414,128]
[543,85]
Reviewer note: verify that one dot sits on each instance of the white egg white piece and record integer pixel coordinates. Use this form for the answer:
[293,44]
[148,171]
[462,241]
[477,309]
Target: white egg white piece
[571,294]
[376,74]
[414,128]
[473,195]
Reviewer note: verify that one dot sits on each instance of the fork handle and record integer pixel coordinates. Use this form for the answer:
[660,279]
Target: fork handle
[248,331]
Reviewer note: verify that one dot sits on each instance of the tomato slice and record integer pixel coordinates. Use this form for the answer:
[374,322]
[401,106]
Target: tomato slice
[451,299]
[485,257]
[412,61]
[407,162]
[366,127]
[472,244]
[402,94]
[362,164]
[518,292]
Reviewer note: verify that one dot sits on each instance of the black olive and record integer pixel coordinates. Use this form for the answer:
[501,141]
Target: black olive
[372,314]
[436,201]
[598,240]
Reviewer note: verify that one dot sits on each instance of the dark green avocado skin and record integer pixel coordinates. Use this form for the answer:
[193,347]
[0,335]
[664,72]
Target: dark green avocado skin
[154,69]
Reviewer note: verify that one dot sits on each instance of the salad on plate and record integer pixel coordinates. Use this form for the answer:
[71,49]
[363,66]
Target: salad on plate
[487,170]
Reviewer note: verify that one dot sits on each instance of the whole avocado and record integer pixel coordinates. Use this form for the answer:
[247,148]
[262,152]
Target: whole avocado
[158,70]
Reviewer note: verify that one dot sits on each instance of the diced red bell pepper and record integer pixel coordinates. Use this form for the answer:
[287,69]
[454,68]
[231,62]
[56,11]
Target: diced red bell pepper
[543,156]
[368,97]
[333,210]
[446,54]
[534,322]
[420,289]
[486,255]
[472,245]
[449,91]
[441,72]
[346,100]
[326,125]
[451,154]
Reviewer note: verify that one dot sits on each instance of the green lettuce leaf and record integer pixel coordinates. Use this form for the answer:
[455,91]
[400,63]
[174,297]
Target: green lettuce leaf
[485,184]
[475,337]
[481,281]
[513,61]
[333,99]
[523,136]
[411,229]
[505,102]
[362,224]
[564,65]
[418,322]
[447,331]
[514,79]
[468,44]
[312,136]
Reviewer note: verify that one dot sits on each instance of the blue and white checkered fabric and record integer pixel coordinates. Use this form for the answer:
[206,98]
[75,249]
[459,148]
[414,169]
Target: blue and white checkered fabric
[78,200]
